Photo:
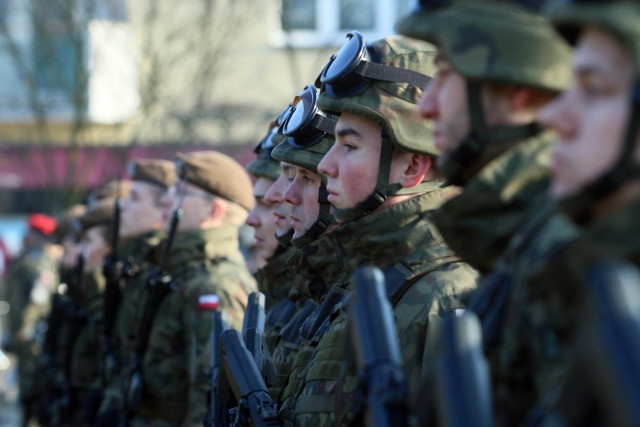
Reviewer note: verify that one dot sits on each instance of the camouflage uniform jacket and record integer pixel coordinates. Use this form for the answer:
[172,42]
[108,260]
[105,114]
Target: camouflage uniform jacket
[504,223]
[512,347]
[31,281]
[274,280]
[135,255]
[315,268]
[176,364]
[403,239]
[561,309]
[86,351]
[500,199]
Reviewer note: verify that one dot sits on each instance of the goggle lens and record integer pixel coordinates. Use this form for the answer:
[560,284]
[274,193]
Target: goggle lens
[303,110]
[305,125]
[352,70]
[347,58]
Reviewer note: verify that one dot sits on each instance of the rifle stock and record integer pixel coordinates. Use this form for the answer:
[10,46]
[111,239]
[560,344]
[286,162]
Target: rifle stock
[218,325]
[243,396]
[462,380]
[377,351]
[611,340]
[112,270]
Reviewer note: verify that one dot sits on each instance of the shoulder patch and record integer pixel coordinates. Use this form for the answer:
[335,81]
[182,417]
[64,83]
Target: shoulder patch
[208,302]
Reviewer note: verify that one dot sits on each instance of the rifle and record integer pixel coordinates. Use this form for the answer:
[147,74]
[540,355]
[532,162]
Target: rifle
[253,326]
[243,399]
[490,305]
[50,353]
[218,325]
[371,329]
[159,285]
[254,316]
[603,383]
[253,335]
[463,390]
[112,271]
[76,318]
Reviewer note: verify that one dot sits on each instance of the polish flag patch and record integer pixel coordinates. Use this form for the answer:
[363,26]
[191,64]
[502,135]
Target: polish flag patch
[208,302]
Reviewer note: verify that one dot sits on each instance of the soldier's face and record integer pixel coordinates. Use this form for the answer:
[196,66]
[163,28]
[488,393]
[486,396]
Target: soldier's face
[590,117]
[282,210]
[71,250]
[196,205]
[262,219]
[94,247]
[445,102]
[302,196]
[352,164]
[141,211]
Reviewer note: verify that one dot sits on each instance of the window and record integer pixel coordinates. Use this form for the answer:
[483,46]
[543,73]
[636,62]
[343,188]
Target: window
[4,13]
[318,23]
[57,45]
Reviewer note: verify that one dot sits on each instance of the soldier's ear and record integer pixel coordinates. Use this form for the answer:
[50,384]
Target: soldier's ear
[218,209]
[523,99]
[415,168]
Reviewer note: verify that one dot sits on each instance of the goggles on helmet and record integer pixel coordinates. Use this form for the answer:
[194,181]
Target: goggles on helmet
[273,137]
[354,68]
[305,124]
[264,147]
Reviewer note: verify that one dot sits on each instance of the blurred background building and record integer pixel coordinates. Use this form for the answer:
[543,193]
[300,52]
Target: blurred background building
[86,85]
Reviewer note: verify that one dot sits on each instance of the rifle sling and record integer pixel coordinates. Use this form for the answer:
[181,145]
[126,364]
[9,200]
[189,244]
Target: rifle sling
[156,294]
[399,278]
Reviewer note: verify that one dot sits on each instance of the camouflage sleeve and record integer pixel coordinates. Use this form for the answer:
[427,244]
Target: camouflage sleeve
[86,357]
[197,338]
[423,306]
[230,286]
[233,287]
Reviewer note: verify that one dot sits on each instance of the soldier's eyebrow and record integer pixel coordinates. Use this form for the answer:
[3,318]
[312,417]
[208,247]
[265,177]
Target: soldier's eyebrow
[343,133]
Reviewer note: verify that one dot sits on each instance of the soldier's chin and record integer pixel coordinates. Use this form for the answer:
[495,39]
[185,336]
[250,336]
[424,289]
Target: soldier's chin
[297,234]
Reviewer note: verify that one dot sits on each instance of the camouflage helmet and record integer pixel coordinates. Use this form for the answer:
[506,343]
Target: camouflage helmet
[618,17]
[307,157]
[499,42]
[264,165]
[393,105]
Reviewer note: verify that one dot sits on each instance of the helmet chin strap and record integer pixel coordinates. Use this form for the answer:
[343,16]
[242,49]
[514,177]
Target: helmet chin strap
[284,241]
[382,190]
[580,206]
[465,161]
[325,219]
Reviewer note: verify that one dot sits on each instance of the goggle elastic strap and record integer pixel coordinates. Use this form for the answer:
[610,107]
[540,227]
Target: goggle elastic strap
[325,219]
[386,73]
[459,166]
[625,169]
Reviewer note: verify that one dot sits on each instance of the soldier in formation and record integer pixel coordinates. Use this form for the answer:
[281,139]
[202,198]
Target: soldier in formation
[485,161]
